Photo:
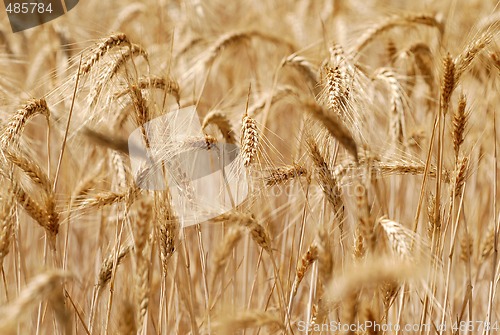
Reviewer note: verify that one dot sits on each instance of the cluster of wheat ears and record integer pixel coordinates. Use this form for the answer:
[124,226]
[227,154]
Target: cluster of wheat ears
[367,137]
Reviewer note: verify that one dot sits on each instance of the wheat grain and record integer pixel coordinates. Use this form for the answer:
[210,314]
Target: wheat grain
[278,94]
[112,69]
[223,252]
[257,231]
[31,206]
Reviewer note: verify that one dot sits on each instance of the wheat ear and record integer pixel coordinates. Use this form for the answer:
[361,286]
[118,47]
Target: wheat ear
[459,124]
[142,260]
[448,82]
[334,126]
[7,221]
[397,104]
[397,21]
[169,85]
[41,287]
[329,184]
[111,70]
[108,265]
[17,123]
[102,48]
[283,174]
[249,140]
[464,60]
[222,122]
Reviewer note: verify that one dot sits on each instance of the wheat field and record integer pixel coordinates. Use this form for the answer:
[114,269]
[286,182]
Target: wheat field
[367,138]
